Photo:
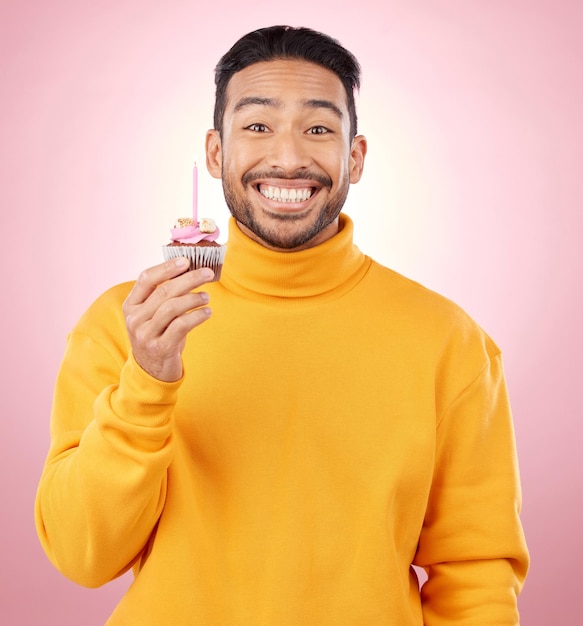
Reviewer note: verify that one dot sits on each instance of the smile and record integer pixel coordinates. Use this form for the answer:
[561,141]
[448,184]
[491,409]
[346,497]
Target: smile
[284,194]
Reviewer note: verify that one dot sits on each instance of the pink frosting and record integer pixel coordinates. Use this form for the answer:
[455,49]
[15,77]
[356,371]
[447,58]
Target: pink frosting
[192,234]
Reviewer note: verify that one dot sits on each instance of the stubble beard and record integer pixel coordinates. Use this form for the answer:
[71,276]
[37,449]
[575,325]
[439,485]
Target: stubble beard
[280,231]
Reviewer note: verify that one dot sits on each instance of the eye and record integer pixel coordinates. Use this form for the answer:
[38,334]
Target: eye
[318,130]
[257,128]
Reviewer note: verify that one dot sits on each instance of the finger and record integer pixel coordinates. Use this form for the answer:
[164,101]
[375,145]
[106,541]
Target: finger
[149,279]
[157,353]
[185,282]
[177,330]
[160,341]
[169,290]
[174,308]
[146,325]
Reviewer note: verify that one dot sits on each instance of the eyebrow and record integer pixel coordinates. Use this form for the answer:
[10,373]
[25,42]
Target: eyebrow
[273,102]
[324,104]
[251,100]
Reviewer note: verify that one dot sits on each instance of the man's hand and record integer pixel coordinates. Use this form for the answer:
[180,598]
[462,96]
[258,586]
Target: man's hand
[160,311]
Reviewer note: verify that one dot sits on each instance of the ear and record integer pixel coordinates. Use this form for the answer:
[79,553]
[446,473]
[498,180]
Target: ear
[357,155]
[214,154]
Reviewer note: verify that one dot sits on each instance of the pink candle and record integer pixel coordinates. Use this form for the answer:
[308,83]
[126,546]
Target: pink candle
[195,194]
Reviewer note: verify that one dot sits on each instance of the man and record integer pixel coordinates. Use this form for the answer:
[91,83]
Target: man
[286,460]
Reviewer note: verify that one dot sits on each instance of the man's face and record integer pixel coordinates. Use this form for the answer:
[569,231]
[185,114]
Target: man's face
[285,155]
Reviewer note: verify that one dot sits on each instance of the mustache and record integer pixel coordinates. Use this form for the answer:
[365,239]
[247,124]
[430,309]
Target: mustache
[304,174]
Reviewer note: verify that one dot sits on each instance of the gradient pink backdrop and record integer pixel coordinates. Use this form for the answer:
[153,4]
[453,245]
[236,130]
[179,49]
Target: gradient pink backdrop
[472,187]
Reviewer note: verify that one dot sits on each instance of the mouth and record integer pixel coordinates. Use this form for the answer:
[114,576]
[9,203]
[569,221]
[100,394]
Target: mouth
[286,195]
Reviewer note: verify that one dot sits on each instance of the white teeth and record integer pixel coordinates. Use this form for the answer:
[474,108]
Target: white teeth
[283,194]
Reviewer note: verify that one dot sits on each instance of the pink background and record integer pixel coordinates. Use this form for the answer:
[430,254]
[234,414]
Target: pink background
[472,187]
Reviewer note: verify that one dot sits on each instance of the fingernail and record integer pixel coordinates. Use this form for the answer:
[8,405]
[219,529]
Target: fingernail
[204,296]
[206,273]
[181,261]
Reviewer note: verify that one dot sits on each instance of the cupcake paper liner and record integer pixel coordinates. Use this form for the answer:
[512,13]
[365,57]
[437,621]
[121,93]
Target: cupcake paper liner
[199,256]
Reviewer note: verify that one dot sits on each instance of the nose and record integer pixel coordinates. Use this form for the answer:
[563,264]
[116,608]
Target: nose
[289,151]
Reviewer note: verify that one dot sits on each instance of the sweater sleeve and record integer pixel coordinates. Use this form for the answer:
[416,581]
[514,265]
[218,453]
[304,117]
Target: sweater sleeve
[104,482]
[472,545]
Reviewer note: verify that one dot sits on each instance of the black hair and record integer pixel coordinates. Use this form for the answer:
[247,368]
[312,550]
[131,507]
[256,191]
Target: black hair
[287,42]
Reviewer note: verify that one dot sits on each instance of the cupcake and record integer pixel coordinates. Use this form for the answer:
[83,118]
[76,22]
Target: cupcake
[197,242]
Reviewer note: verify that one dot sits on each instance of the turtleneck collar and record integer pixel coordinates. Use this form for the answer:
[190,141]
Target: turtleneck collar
[327,270]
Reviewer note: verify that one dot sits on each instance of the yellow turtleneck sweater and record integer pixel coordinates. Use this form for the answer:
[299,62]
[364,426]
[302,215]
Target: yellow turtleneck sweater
[336,423]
